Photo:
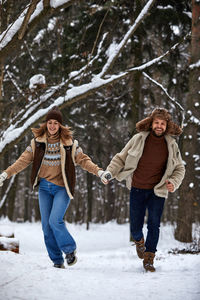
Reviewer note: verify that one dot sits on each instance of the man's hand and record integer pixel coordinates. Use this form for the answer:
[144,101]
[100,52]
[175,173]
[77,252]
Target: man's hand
[3,177]
[169,186]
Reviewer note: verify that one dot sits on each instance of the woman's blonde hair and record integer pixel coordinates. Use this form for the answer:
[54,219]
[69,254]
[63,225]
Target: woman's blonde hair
[65,132]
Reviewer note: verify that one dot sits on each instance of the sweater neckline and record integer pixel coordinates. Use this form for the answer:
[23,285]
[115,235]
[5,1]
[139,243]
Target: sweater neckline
[53,138]
[157,139]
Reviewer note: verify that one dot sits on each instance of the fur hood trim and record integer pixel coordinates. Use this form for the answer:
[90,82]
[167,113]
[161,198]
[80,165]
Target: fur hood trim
[160,113]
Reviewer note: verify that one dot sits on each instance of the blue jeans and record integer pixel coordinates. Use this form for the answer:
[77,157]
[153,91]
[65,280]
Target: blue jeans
[53,202]
[140,200]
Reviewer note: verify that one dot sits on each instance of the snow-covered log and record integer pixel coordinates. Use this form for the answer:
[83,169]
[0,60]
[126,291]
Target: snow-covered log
[6,231]
[9,244]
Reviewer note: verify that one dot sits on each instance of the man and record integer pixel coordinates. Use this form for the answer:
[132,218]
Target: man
[152,165]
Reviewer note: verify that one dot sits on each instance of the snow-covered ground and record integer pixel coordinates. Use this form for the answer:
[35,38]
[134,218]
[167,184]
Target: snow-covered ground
[107,267]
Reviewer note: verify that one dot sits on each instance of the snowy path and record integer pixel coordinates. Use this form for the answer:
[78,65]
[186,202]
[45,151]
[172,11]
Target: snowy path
[107,268]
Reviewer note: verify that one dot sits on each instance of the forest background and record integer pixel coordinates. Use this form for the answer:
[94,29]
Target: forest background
[107,65]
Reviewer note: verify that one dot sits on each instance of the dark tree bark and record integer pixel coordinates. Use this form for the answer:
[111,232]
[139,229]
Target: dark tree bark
[89,198]
[190,149]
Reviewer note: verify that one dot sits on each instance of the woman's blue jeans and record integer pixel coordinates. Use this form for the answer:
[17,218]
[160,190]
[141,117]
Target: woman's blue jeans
[140,200]
[53,202]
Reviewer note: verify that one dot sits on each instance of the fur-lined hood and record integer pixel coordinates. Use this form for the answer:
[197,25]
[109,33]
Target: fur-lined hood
[163,114]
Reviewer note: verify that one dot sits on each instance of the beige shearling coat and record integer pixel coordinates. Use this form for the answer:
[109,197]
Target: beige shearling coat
[125,163]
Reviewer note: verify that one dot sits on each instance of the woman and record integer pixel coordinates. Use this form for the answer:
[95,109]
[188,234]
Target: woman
[53,155]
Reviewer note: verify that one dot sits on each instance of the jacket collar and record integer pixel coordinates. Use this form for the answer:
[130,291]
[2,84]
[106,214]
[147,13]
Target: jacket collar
[169,139]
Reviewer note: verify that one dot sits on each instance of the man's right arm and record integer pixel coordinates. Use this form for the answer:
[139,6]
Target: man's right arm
[118,161]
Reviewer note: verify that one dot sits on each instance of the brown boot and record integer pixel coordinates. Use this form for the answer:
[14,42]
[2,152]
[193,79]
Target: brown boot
[148,261]
[140,248]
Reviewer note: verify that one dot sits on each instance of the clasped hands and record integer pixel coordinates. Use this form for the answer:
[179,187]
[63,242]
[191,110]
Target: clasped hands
[105,176]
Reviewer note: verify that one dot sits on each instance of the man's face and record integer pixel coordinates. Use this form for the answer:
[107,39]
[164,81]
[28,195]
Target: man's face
[159,127]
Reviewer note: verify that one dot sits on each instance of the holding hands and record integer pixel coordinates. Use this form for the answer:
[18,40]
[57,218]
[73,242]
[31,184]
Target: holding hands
[105,176]
[3,177]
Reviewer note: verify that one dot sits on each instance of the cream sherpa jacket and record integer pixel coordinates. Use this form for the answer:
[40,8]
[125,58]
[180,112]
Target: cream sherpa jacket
[125,163]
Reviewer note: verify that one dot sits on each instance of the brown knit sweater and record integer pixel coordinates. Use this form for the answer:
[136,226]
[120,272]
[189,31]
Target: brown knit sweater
[152,164]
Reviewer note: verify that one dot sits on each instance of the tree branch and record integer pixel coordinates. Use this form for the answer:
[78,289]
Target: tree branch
[9,38]
[98,33]
[168,96]
[13,134]
[46,3]
[26,19]
[2,201]
[121,45]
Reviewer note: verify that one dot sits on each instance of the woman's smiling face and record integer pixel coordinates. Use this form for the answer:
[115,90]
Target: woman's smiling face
[53,126]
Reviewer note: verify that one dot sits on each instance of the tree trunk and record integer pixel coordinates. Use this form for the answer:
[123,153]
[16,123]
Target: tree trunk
[1,87]
[89,199]
[11,200]
[190,148]
[136,78]
[109,203]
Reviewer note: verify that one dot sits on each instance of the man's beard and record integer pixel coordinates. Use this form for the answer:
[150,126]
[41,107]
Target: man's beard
[158,135]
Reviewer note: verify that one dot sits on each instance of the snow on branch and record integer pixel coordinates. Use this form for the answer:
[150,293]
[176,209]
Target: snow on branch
[8,34]
[33,113]
[20,23]
[30,108]
[10,75]
[30,10]
[192,119]
[2,201]
[167,94]
[74,94]
[164,90]
[57,3]
[159,58]
[118,48]
[95,42]
[35,104]
[196,65]
[75,74]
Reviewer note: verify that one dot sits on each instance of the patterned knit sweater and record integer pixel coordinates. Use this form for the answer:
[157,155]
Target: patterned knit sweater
[51,164]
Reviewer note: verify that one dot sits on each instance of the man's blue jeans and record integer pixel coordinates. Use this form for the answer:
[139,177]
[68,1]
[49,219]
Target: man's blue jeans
[53,202]
[140,200]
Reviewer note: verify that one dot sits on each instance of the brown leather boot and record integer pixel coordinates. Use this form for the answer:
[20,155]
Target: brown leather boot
[140,248]
[148,261]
